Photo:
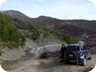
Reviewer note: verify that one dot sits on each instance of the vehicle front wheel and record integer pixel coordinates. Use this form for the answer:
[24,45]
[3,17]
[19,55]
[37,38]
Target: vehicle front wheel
[84,62]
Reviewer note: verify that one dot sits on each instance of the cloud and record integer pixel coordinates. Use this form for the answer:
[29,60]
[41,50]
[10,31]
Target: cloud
[2,1]
[93,1]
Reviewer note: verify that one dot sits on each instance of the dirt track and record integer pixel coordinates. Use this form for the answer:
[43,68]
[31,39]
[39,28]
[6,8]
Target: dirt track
[50,64]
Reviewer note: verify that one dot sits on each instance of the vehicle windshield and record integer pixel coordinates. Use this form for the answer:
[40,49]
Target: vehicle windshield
[73,48]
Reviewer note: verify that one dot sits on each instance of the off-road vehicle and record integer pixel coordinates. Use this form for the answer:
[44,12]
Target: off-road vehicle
[78,53]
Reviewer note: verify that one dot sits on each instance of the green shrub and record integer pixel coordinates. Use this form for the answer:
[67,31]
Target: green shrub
[9,34]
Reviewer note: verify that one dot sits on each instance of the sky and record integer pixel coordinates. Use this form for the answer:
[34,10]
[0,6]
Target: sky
[62,9]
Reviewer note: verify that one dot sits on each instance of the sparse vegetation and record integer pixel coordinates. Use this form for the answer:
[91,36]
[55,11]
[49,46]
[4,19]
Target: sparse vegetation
[37,31]
[9,35]
[12,37]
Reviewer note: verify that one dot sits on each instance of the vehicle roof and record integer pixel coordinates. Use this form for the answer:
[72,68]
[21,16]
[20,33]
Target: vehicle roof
[75,44]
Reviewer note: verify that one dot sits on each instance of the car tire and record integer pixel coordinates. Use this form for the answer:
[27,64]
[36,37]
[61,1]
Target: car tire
[84,62]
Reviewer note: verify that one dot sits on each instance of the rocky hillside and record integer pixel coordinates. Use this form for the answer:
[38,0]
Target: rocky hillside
[16,33]
[75,28]
[15,30]
[44,20]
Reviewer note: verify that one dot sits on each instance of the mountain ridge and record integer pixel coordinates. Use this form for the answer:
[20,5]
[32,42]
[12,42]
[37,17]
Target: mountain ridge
[53,22]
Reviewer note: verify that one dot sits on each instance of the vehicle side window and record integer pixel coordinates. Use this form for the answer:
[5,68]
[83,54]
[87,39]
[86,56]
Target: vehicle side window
[84,47]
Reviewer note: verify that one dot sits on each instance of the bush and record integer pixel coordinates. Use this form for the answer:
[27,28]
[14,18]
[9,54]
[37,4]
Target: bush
[9,34]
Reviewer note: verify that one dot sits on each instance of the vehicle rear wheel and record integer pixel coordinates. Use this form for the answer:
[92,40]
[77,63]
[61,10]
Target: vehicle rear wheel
[84,62]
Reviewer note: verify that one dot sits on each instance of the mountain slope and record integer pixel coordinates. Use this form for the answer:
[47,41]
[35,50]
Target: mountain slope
[35,31]
[53,22]
[75,28]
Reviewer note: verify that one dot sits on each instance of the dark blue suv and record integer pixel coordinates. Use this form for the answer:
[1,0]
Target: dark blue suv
[78,53]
